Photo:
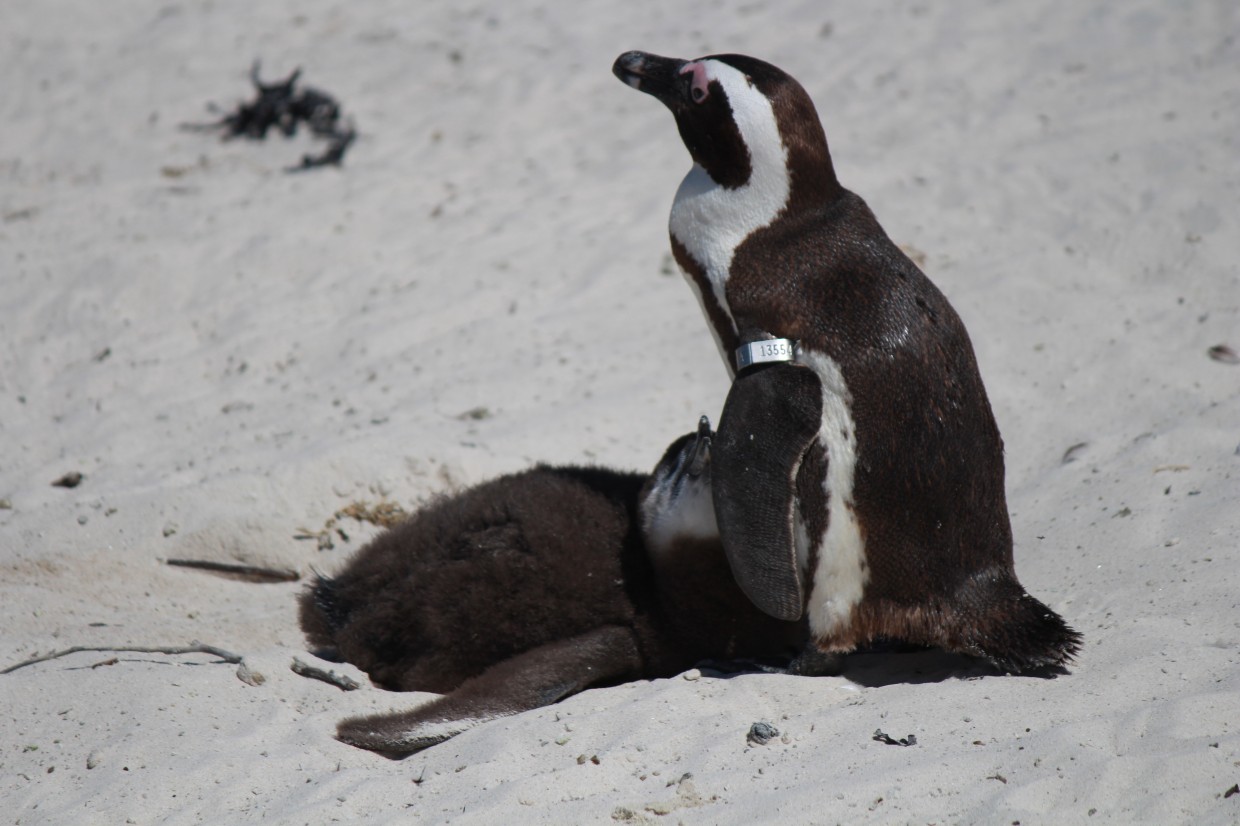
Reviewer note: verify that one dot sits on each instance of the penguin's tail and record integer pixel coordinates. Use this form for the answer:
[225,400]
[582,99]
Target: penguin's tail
[1017,632]
[322,612]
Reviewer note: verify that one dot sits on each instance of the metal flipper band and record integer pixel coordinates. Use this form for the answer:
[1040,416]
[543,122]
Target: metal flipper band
[760,352]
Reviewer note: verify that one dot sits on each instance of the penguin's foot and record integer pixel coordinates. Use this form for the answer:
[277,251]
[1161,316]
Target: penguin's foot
[809,663]
[745,665]
[812,662]
[530,680]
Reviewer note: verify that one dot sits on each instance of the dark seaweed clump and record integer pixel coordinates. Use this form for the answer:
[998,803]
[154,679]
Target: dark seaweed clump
[284,107]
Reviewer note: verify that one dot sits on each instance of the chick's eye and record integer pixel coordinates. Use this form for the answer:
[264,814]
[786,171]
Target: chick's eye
[699,94]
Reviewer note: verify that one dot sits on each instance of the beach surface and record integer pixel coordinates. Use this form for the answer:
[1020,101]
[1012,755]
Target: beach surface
[230,354]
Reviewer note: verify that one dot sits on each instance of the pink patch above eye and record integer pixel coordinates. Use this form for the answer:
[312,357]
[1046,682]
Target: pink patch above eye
[700,87]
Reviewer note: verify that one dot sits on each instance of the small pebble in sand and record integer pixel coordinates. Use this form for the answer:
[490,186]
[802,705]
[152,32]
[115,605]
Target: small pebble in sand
[883,737]
[249,675]
[1224,353]
[761,733]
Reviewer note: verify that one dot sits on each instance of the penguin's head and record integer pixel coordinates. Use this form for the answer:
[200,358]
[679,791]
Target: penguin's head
[735,114]
[676,503]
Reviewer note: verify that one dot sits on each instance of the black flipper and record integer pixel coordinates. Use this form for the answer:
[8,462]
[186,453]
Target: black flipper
[536,678]
[770,419]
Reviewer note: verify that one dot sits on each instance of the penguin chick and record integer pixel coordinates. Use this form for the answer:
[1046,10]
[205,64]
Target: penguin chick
[858,473]
[523,590]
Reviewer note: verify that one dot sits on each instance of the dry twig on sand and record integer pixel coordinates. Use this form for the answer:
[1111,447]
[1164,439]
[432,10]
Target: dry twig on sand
[192,648]
[339,680]
[249,573]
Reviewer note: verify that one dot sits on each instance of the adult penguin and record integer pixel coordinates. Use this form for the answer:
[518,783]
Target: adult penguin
[858,469]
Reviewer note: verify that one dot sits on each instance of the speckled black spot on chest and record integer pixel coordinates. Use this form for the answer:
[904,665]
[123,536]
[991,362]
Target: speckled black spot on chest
[713,139]
[812,497]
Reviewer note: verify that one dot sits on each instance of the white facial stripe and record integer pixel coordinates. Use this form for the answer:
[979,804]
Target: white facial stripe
[711,221]
[841,574]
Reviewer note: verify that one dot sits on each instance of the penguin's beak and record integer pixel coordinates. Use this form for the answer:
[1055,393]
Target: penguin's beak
[657,76]
[701,449]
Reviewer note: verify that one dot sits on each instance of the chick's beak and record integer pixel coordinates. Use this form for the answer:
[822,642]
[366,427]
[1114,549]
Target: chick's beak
[700,459]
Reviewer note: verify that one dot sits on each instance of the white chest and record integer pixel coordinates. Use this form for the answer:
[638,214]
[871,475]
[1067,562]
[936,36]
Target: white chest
[691,515]
[839,579]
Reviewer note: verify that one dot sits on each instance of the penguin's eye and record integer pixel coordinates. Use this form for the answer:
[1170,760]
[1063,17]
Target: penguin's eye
[698,81]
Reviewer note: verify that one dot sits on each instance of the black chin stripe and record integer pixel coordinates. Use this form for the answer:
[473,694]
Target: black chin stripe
[713,139]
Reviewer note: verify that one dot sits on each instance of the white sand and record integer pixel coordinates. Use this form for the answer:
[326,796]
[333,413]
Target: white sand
[281,345]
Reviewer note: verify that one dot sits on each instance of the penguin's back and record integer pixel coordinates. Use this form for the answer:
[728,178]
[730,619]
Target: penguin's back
[929,470]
